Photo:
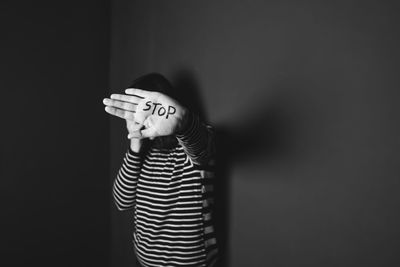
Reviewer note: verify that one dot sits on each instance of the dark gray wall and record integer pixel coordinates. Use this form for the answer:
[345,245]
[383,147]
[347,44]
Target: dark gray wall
[305,96]
[54,133]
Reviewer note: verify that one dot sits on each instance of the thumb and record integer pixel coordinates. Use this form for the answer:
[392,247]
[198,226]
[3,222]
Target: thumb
[148,133]
[133,126]
[135,134]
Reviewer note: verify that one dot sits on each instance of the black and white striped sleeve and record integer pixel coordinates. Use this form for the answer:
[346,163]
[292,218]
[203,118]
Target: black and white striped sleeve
[124,187]
[197,140]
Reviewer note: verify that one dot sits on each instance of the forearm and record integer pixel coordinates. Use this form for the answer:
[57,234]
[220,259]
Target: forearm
[124,187]
[136,144]
[197,139]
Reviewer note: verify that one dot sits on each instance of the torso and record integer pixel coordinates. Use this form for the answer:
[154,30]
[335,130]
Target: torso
[171,215]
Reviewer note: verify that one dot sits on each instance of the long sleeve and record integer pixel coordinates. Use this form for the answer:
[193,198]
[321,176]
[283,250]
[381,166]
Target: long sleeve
[124,187]
[198,141]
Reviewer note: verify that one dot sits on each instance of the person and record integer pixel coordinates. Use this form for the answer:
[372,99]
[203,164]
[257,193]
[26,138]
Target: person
[166,176]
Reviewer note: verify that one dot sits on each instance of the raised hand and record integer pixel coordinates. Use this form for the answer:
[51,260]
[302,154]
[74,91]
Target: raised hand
[159,114]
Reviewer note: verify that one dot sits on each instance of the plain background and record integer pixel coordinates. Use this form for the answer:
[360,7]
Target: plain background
[303,95]
[54,169]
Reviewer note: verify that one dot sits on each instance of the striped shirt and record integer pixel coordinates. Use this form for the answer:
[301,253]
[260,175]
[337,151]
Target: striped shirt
[171,192]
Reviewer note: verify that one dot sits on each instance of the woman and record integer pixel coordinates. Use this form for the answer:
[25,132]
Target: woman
[166,176]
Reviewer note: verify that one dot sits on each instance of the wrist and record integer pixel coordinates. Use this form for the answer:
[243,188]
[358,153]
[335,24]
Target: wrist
[186,122]
[135,144]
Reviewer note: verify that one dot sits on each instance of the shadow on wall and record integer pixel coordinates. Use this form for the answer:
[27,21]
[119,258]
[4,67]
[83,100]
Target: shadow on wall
[188,93]
[266,133]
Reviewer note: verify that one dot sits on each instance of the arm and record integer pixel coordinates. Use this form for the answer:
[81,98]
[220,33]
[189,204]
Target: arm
[162,116]
[124,187]
[197,140]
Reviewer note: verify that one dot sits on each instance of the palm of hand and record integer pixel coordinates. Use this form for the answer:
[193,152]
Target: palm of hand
[133,126]
[159,114]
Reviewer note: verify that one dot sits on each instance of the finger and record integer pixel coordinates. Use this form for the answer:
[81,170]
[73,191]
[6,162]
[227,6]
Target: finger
[148,133]
[126,98]
[132,137]
[133,127]
[135,134]
[139,92]
[120,104]
[123,114]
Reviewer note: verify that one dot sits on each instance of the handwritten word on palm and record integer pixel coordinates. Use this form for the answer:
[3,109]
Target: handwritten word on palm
[159,114]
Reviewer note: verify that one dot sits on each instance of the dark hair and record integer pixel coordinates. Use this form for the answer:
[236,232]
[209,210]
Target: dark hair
[158,83]
[154,82]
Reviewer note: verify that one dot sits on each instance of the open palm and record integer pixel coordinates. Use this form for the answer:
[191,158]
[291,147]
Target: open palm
[160,114]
